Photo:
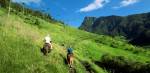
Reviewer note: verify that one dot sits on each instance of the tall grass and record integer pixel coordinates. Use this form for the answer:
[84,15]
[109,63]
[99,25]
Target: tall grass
[21,40]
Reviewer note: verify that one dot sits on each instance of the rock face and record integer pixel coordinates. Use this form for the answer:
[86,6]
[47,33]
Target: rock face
[87,23]
[135,28]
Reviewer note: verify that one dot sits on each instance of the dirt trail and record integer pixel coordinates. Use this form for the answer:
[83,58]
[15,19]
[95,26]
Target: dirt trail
[72,70]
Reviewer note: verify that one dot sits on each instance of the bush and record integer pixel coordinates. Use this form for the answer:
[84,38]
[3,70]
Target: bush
[37,22]
[118,64]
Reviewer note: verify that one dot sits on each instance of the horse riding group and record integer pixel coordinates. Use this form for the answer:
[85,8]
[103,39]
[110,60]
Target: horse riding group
[47,47]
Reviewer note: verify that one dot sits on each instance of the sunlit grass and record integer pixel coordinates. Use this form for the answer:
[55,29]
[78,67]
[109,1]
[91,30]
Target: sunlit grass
[20,45]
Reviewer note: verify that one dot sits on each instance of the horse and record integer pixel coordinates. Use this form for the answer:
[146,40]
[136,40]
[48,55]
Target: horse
[46,48]
[70,58]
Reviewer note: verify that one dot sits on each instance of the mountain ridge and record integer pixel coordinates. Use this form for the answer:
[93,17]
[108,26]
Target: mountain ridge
[131,26]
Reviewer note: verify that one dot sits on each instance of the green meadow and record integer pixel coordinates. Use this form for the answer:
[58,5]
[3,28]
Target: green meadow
[21,38]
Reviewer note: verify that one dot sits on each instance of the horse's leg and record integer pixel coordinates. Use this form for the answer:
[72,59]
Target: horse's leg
[49,48]
[68,60]
[71,61]
[46,51]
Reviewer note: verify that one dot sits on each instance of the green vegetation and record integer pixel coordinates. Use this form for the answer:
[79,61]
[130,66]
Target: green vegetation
[16,8]
[118,64]
[21,38]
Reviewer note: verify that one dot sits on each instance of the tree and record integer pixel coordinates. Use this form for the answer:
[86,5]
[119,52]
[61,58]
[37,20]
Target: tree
[23,8]
[9,8]
[4,3]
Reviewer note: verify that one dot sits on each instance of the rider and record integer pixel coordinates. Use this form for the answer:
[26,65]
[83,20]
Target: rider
[69,51]
[69,54]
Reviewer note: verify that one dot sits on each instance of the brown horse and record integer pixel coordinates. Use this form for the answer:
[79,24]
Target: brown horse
[70,58]
[46,48]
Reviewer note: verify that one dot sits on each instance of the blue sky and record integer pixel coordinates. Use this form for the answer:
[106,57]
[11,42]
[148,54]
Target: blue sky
[73,12]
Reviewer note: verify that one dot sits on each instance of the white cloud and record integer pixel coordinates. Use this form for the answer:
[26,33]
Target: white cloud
[125,3]
[27,1]
[128,2]
[93,6]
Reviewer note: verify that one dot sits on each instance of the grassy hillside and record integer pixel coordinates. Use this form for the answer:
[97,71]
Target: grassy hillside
[21,38]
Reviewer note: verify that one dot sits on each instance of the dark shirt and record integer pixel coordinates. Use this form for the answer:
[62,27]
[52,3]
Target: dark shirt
[70,50]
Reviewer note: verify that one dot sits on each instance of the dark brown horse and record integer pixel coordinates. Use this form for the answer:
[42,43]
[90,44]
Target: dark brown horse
[46,48]
[70,58]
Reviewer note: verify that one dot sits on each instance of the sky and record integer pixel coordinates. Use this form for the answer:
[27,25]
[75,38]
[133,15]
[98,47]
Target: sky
[72,12]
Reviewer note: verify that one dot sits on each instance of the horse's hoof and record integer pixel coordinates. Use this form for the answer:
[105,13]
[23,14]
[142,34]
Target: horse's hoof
[71,66]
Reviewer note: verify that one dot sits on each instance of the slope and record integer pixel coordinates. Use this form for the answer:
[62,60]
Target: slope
[21,38]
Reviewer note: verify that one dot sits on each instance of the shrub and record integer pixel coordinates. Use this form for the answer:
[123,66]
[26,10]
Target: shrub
[37,22]
[118,64]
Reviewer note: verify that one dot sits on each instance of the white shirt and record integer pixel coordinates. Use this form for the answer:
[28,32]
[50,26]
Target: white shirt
[47,39]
